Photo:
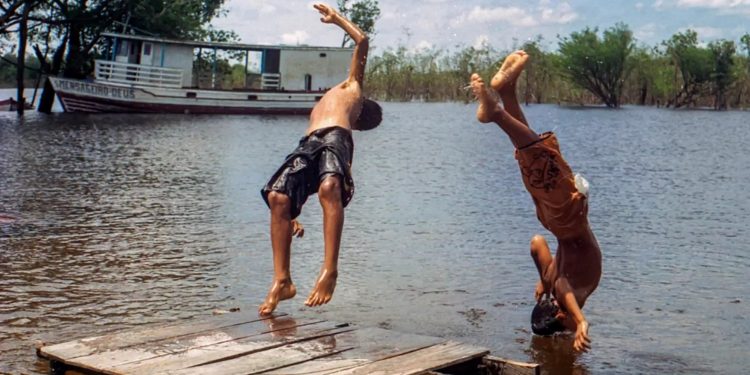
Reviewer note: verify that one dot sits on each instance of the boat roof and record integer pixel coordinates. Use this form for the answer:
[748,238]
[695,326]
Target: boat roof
[223,45]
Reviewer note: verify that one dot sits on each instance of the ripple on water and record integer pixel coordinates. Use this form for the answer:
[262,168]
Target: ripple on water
[115,221]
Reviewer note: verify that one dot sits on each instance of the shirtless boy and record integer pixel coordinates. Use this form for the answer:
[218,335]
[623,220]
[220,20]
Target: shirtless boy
[321,164]
[561,205]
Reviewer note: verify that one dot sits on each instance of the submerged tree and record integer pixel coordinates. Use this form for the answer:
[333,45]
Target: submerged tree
[694,64]
[723,52]
[598,65]
[363,13]
[538,73]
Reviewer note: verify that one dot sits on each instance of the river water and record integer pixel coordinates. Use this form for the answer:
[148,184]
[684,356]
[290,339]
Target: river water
[114,221]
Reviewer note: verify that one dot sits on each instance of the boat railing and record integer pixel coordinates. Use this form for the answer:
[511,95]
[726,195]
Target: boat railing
[270,81]
[136,74]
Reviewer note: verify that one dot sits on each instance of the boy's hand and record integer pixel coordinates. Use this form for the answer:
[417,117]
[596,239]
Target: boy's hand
[297,229]
[539,293]
[582,341]
[328,13]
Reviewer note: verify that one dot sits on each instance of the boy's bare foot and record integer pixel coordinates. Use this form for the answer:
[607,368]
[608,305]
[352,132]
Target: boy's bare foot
[280,290]
[487,103]
[323,290]
[505,79]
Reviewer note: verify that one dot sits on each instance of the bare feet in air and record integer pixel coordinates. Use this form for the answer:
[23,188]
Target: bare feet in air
[280,290]
[504,81]
[323,290]
[487,102]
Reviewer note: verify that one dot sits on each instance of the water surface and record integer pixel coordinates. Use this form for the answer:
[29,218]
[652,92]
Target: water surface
[114,221]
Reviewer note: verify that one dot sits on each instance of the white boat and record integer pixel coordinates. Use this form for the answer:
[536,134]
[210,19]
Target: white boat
[147,74]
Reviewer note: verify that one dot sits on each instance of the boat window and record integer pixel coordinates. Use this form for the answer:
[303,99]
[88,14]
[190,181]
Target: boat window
[190,94]
[252,97]
[322,54]
[146,49]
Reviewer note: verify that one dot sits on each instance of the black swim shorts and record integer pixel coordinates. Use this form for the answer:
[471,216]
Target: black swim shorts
[321,153]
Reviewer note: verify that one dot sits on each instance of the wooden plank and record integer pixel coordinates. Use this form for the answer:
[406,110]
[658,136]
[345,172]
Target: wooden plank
[416,362]
[120,358]
[258,362]
[91,345]
[224,351]
[497,365]
[369,345]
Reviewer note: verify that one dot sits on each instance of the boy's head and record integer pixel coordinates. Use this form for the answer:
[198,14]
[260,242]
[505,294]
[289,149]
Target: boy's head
[370,116]
[544,321]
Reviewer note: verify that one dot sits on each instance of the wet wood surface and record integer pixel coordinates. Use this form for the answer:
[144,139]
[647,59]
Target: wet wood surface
[240,343]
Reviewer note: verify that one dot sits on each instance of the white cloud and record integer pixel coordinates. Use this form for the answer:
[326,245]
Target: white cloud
[713,3]
[447,24]
[481,41]
[546,14]
[706,32]
[295,37]
[512,15]
[562,14]
[252,6]
[646,32]
[423,45]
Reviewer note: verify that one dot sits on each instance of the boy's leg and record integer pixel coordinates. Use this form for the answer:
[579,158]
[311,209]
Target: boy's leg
[281,241]
[544,265]
[330,196]
[504,83]
[489,111]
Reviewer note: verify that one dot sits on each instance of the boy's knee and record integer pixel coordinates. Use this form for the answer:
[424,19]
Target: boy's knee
[537,244]
[330,188]
[277,199]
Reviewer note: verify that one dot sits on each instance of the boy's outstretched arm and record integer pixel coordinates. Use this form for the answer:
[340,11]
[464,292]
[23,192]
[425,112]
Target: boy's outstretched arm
[566,299]
[359,58]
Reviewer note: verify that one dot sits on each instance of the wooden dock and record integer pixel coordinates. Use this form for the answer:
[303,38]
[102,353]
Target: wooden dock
[239,343]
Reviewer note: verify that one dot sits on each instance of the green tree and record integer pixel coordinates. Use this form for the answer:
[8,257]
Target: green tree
[694,64]
[539,72]
[598,64]
[363,13]
[723,52]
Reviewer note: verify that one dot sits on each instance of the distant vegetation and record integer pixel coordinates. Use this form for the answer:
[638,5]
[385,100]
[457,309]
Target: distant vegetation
[588,68]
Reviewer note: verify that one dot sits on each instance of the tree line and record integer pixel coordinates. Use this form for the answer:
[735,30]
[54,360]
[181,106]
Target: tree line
[588,67]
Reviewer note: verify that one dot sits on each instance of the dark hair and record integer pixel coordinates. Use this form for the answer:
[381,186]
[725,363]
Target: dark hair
[544,320]
[370,116]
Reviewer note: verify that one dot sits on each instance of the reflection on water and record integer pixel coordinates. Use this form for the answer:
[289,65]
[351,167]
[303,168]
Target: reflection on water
[114,221]
[557,353]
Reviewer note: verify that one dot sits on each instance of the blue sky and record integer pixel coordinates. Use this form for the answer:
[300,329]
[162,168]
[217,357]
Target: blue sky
[503,24]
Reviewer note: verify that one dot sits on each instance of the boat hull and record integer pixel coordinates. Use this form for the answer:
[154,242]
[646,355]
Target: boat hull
[105,97]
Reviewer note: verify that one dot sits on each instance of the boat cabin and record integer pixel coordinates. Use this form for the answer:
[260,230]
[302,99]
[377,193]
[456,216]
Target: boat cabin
[155,62]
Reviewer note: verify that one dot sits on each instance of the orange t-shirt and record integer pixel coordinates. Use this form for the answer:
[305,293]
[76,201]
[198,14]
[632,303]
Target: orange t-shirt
[560,207]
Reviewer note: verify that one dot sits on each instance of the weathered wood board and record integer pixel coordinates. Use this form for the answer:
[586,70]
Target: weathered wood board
[243,344]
